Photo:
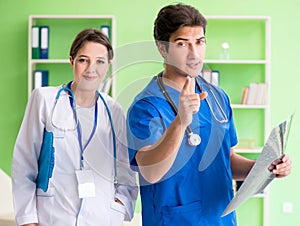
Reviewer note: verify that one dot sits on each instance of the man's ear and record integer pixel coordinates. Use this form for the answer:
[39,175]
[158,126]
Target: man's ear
[162,48]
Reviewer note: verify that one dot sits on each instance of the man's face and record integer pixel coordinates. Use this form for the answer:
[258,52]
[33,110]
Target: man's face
[186,51]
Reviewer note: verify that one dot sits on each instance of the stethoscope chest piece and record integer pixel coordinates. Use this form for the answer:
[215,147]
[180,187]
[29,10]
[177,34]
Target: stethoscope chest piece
[194,139]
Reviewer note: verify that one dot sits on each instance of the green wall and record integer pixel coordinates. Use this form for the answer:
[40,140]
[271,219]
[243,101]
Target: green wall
[134,24]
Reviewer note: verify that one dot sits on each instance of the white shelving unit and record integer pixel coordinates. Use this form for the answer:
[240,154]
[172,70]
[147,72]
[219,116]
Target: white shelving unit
[70,21]
[238,31]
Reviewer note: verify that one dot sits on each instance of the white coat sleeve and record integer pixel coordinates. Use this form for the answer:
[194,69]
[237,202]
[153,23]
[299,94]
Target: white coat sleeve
[127,190]
[25,160]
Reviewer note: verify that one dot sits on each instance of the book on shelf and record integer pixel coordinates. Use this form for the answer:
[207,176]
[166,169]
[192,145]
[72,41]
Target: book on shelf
[254,94]
[261,93]
[40,42]
[40,78]
[245,95]
[211,76]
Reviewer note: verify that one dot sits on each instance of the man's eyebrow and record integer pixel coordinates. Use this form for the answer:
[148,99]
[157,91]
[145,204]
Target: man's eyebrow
[185,39]
[181,39]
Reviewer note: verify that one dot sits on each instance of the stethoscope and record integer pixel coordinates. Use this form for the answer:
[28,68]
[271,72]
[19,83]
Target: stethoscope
[77,123]
[193,139]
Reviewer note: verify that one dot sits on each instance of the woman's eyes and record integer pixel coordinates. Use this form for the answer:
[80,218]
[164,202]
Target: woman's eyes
[85,61]
[82,60]
[100,61]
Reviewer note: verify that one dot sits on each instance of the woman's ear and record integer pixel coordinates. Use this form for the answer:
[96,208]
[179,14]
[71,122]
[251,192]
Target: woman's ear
[71,60]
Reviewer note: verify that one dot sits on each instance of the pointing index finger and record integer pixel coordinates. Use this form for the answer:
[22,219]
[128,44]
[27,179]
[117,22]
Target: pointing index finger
[188,87]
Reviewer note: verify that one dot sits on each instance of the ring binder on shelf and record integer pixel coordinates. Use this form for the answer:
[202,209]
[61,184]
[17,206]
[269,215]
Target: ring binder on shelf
[44,42]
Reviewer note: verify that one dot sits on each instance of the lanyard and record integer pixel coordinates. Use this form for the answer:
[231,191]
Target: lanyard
[82,148]
[94,129]
[79,134]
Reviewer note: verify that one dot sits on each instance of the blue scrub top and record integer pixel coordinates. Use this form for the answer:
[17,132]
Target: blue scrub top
[198,187]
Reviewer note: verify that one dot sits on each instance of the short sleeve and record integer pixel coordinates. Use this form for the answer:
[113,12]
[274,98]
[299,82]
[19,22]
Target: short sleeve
[144,127]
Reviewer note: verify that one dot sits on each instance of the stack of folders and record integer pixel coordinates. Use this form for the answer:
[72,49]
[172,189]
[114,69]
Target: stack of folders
[40,42]
[40,78]
[211,76]
[254,94]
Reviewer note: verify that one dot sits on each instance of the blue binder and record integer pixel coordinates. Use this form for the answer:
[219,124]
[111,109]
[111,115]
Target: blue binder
[45,162]
[40,78]
[105,29]
[44,42]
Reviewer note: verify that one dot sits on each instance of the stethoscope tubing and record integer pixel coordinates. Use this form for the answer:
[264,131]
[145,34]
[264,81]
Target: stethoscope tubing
[193,138]
[73,106]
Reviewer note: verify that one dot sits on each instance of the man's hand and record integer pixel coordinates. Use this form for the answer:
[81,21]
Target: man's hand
[189,102]
[281,166]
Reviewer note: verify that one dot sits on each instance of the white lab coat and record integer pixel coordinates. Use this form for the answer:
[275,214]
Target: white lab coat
[60,205]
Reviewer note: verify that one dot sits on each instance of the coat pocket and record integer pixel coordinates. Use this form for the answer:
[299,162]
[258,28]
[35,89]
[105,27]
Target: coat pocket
[189,215]
[45,202]
[117,214]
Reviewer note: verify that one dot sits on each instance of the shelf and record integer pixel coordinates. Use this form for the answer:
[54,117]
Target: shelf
[248,106]
[232,61]
[220,17]
[70,17]
[51,61]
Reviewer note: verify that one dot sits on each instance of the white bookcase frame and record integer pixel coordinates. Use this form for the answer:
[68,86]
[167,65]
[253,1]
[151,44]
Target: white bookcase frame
[267,76]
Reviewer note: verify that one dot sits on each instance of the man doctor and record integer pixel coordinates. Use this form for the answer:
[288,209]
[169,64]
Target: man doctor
[181,134]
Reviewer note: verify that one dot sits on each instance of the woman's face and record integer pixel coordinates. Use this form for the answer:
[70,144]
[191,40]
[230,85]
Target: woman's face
[90,66]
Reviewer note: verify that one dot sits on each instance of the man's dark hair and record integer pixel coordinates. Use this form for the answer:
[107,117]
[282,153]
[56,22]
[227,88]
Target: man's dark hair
[172,17]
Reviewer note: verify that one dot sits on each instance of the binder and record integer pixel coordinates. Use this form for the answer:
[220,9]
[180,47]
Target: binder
[206,74]
[105,29]
[44,42]
[40,78]
[215,77]
[46,161]
[35,42]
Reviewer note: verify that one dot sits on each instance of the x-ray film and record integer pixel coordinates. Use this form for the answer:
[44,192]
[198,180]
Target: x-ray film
[260,176]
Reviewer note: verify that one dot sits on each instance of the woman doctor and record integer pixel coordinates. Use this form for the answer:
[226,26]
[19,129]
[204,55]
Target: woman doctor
[84,178]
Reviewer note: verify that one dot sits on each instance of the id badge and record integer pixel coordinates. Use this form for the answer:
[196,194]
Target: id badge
[86,184]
